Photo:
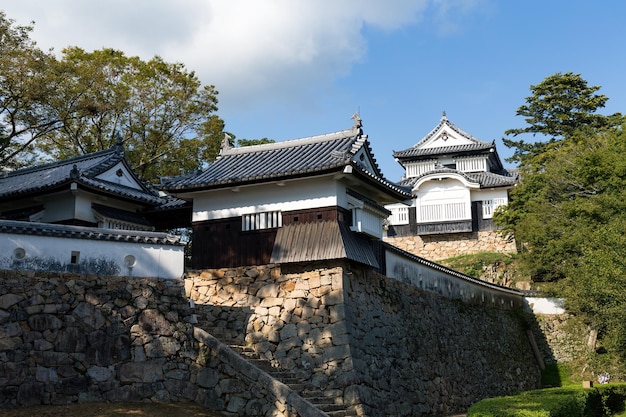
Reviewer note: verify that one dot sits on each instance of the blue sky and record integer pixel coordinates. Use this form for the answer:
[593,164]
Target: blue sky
[293,68]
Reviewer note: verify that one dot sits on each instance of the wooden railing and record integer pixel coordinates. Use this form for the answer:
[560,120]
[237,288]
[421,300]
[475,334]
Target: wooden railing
[444,212]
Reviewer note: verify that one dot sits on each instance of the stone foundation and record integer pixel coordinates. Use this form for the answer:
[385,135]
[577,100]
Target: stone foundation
[68,338]
[438,247]
[383,346]
[387,347]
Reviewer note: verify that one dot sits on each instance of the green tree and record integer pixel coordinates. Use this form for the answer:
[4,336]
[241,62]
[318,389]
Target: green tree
[252,142]
[26,85]
[567,212]
[559,106]
[569,219]
[162,112]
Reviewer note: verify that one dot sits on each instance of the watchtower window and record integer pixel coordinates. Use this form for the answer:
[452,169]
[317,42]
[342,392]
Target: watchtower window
[260,221]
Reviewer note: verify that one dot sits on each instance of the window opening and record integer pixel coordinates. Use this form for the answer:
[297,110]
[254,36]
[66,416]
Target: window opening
[75,258]
[261,221]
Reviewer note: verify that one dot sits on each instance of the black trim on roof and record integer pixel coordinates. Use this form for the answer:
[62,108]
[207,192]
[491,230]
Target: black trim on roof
[81,232]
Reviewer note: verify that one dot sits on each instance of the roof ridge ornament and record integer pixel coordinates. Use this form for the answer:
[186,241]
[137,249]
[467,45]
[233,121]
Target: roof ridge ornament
[74,173]
[443,116]
[119,143]
[225,143]
[358,122]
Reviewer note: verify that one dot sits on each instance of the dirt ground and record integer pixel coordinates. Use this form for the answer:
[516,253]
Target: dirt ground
[111,410]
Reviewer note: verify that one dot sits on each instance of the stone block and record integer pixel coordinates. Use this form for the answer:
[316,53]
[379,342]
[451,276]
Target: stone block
[154,322]
[70,339]
[162,347]
[333,298]
[99,373]
[150,371]
[9,300]
[271,302]
[207,377]
[289,331]
[236,404]
[268,291]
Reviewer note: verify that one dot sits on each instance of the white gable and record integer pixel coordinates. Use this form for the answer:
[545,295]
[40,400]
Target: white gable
[362,158]
[444,137]
[120,175]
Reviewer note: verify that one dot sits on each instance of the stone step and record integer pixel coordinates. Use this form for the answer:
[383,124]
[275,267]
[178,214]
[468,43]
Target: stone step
[341,413]
[330,402]
[322,400]
[330,407]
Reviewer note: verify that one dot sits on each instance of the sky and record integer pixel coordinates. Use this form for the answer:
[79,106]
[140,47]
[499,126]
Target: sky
[287,69]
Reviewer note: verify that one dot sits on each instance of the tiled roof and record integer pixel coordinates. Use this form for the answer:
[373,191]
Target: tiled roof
[491,180]
[414,152]
[443,122]
[284,160]
[485,179]
[80,232]
[82,170]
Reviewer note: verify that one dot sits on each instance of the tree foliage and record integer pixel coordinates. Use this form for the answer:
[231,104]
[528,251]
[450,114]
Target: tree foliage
[164,115]
[26,86]
[81,102]
[567,212]
[252,142]
[559,106]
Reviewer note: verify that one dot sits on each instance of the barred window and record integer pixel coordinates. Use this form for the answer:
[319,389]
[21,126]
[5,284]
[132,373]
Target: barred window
[259,221]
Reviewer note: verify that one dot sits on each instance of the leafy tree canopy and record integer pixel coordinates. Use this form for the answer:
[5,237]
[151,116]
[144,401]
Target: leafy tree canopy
[569,220]
[567,212]
[26,85]
[82,101]
[251,142]
[559,106]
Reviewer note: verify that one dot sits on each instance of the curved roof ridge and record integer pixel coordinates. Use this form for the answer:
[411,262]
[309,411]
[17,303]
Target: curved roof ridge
[55,164]
[445,121]
[484,179]
[293,142]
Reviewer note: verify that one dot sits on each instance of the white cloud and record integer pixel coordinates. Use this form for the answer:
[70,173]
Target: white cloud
[249,49]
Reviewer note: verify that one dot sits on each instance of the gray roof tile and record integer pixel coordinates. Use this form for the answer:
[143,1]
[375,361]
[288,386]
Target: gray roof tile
[81,169]
[283,160]
[414,152]
[80,232]
[485,179]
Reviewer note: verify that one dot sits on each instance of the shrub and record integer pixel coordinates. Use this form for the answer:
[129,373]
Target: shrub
[600,401]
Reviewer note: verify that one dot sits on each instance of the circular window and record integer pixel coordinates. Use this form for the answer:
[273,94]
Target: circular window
[19,254]
[130,261]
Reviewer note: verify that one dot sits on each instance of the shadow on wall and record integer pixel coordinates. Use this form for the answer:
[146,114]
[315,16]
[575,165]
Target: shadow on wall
[227,323]
[295,319]
[542,350]
[74,338]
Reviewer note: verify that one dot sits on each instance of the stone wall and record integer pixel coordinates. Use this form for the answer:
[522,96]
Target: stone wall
[72,338]
[386,347]
[294,320]
[382,346]
[67,338]
[562,337]
[438,247]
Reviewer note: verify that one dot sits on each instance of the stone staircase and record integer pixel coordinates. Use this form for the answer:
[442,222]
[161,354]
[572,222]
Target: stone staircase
[330,402]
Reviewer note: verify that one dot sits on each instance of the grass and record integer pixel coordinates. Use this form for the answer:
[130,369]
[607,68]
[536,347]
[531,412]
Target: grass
[558,375]
[569,401]
[474,265]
